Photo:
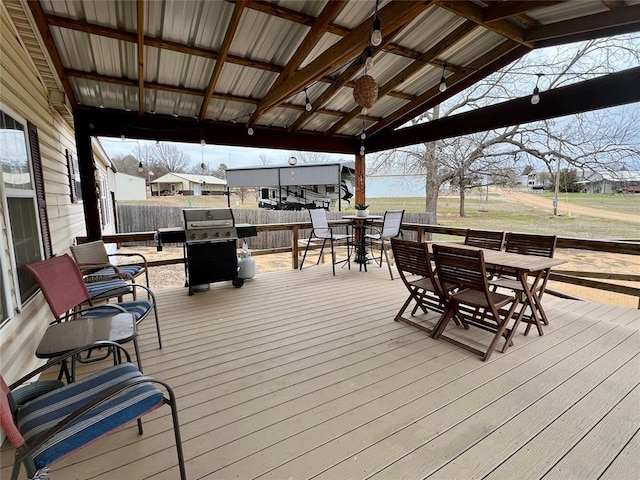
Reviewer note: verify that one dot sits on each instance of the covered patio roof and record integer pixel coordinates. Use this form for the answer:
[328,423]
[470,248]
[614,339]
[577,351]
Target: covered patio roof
[187,71]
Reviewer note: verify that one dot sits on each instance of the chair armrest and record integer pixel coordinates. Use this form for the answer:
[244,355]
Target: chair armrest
[56,361]
[143,261]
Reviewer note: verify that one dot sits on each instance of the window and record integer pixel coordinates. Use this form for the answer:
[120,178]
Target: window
[74,177]
[24,201]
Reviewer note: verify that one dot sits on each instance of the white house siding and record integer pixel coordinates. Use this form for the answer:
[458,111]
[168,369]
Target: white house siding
[129,187]
[22,94]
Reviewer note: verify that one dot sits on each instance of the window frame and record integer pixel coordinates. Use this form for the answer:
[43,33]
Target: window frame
[11,292]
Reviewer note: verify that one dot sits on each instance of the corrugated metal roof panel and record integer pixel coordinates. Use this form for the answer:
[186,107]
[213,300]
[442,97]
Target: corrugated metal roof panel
[440,23]
[175,68]
[279,117]
[227,111]
[474,46]
[244,81]
[268,38]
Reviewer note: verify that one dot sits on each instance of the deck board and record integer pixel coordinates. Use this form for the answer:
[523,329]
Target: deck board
[300,374]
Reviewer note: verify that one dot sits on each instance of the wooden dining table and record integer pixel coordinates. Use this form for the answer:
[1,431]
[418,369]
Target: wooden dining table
[523,267]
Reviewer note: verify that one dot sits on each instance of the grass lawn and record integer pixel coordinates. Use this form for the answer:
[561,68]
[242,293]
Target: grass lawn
[626,203]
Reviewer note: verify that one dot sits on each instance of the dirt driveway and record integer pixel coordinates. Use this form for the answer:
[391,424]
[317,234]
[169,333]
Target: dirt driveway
[564,208]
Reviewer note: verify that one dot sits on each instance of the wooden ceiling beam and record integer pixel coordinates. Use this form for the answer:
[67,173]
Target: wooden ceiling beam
[593,24]
[313,36]
[140,41]
[420,63]
[483,66]
[308,20]
[114,123]
[393,15]
[222,56]
[475,13]
[343,80]
[43,26]
[609,90]
[191,91]
[505,10]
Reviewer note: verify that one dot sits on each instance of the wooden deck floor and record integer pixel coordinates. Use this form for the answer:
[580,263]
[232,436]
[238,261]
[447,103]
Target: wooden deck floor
[303,375]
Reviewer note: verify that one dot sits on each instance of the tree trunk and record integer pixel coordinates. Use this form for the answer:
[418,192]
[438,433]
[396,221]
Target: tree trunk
[462,197]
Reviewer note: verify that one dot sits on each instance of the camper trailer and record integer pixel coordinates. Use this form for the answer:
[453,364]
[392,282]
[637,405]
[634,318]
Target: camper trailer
[318,185]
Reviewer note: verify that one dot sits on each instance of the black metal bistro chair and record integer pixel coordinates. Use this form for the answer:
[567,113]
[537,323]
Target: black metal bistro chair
[391,225]
[322,231]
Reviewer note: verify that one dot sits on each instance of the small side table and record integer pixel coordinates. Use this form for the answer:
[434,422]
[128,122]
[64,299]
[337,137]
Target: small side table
[64,337]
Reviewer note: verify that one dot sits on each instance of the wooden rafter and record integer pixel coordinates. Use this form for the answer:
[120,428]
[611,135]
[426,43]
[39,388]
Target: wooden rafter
[140,11]
[480,68]
[315,33]
[41,21]
[504,10]
[475,13]
[343,80]
[192,91]
[222,56]
[393,15]
[446,43]
[594,24]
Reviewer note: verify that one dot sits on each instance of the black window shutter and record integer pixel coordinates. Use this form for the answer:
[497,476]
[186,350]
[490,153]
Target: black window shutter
[38,180]
[72,176]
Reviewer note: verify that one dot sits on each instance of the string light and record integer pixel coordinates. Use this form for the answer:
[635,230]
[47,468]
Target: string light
[140,166]
[307,103]
[202,143]
[443,81]
[368,63]
[122,137]
[535,98]
[250,131]
[376,34]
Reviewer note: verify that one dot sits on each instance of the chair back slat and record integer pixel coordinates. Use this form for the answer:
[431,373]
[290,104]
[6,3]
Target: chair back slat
[91,253]
[485,239]
[61,283]
[538,245]
[392,223]
[460,267]
[411,257]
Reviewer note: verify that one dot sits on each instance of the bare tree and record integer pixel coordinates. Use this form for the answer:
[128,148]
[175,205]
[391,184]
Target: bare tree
[245,192]
[161,158]
[594,140]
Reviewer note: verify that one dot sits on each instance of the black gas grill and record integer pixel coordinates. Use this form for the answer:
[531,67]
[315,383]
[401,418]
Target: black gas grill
[210,241]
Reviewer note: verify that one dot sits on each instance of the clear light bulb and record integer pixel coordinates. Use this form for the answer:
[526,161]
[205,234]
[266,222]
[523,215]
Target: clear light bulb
[307,106]
[363,135]
[250,131]
[157,143]
[443,84]
[202,143]
[369,61]
[376,35]
[535,98]
[365,110]
[122,137]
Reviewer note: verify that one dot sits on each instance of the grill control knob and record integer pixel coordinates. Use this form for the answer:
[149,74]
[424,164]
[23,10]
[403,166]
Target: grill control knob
[205,235]
[228,233]
[217,234]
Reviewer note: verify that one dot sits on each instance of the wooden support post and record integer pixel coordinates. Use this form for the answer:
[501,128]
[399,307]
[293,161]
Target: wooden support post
[295,254]
[360,185]
[88,182]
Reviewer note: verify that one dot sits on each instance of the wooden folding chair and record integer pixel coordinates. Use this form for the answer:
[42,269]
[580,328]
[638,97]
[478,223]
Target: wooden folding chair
[464,269]
[525,244]
[413,262]
[485,239]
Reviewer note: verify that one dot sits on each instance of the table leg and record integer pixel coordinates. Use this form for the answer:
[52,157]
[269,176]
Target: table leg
[529,302]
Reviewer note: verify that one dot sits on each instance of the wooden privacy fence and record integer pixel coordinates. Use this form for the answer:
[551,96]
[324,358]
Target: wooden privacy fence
[280,232]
